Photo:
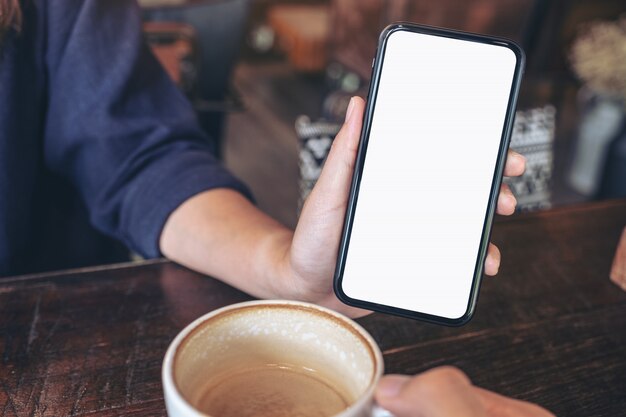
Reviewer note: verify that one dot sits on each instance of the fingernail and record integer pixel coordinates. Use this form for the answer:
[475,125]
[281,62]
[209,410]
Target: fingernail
[520,158]
[509,195]
[493,260]
[350,109]
[391,385]
[492,264]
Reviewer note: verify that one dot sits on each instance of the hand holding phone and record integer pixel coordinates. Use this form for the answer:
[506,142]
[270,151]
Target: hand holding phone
[428,172]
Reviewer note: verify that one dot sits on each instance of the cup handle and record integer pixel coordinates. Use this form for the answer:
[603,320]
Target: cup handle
[378,411]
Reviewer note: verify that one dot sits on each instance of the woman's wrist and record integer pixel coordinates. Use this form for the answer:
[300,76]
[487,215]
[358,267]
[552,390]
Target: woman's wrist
[275,273]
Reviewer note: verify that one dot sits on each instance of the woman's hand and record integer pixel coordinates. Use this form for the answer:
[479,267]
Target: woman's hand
[447,392]
[312,255]
[221,234]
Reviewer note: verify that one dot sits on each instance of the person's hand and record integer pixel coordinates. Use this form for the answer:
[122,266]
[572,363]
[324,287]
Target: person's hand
[312,256]
[447,392]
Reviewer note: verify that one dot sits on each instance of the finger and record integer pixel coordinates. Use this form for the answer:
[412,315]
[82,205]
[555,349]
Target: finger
[492,263]
[506,201]
[440,392]
[497,405]
[515,164]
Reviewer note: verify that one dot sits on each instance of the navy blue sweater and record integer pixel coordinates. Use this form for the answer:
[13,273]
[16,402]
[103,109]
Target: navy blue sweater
[97,146]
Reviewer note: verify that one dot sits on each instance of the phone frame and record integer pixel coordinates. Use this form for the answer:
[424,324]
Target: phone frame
[496,179]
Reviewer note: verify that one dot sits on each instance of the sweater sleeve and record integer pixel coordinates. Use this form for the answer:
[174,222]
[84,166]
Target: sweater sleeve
[117,127]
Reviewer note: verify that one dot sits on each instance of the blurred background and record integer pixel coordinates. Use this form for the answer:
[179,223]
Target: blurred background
[271,79]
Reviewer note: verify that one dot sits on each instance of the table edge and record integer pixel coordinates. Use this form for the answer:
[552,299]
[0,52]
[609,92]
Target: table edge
[83,270]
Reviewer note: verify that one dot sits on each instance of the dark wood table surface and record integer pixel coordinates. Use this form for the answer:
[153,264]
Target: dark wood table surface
[551,328]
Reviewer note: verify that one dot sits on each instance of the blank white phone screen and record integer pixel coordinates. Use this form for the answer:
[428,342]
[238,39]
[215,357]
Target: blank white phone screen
[439,115]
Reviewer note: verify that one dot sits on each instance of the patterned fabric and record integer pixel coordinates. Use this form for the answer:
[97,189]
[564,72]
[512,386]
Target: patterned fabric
[533,137]
[316,139]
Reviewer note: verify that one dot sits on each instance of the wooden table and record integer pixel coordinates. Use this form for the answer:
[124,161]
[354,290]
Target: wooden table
[550,328]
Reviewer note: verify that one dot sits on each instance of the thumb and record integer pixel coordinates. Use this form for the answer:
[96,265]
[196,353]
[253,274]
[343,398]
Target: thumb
[440,392]
[389,395]
[333,185]
[315,243]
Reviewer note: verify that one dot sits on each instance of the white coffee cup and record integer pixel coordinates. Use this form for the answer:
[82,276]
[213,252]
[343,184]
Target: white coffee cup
[242,360]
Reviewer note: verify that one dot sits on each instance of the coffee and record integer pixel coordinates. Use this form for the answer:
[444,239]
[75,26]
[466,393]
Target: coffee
[271,358]
[273,390]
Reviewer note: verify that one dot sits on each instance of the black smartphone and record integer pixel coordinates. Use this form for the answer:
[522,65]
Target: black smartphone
[430,162]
